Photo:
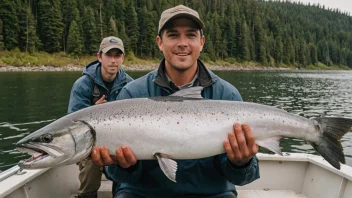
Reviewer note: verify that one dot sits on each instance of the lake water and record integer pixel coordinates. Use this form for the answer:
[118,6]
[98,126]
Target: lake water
[31,100]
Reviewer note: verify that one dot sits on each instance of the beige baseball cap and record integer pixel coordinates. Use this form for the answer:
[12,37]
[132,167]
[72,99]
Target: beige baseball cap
[111,42]
[179,11]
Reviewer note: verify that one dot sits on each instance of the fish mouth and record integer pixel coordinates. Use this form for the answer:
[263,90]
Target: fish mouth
[38,152]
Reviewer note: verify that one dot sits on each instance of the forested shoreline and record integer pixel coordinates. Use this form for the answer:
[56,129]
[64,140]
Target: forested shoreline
[268,33]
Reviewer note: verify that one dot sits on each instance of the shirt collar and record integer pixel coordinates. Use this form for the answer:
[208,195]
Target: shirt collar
[203,79]
[188,85]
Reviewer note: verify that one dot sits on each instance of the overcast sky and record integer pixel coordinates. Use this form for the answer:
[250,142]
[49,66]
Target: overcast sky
[343,5]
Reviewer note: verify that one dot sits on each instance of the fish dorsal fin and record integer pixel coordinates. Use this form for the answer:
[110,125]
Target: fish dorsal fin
[272,144]
[167,165]
[192,92]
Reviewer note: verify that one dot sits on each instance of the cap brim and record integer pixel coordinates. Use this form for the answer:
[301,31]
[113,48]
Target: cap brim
[185,15]
[113,47]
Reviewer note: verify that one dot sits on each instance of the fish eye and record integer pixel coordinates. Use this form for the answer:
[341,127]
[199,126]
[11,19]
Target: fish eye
[47,138]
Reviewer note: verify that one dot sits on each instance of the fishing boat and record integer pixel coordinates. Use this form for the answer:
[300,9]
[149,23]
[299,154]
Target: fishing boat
[293,175]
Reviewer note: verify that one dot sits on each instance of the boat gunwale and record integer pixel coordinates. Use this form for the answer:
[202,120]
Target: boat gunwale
[16,181]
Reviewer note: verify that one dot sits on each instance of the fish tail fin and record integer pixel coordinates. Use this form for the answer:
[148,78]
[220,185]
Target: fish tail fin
[329,146]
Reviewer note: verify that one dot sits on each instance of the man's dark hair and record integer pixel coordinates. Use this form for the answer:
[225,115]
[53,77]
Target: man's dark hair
[168,25]
[162,31]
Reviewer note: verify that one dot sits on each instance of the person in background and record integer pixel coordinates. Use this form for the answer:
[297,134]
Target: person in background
[102,81]
[181,40]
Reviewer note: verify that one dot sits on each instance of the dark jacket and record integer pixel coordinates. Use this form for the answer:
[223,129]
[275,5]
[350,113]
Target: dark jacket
[201,177]
[82,90]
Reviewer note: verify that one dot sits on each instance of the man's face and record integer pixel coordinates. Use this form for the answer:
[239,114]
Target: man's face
[181,44]
[111,61]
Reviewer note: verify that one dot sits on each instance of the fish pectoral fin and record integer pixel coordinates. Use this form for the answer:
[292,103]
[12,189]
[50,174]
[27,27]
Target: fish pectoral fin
[272,144]
[167,165]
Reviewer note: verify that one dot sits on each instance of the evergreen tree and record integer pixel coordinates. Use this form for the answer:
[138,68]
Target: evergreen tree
[100,21]
[307,56]
[123,36]
[270,43]
[120,7]
[32,40]
[74,42]
[288,51]
[91,38]
[2,47]
[278,50]
[349,59]
[333,51]
[10,23]
[231,38]
[210,50]
[323,53]
[242,41]
[22,17]
[147,33]
[229,25]
[132,29]
[342,57]
[50,25]
[217,38]
[77,18]
[69,13]
[149,4]
[313,54]
[262,53]
[112,28]
[302,52]
[268,32]
[259,41]
[28,39]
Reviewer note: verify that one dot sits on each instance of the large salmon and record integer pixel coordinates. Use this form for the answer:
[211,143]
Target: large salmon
[180,126]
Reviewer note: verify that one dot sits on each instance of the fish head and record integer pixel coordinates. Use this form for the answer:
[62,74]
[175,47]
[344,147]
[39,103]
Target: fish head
[61,142]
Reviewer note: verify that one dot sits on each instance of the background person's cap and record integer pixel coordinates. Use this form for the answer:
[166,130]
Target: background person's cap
[111,42]
[179,11]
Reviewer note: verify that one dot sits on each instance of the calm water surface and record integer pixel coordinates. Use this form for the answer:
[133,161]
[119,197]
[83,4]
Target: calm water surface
[31,100]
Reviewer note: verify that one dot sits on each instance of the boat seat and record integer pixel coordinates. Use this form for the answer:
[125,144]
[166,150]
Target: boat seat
[106,185]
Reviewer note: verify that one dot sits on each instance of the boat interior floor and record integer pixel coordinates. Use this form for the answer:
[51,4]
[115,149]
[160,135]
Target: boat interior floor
[105,192]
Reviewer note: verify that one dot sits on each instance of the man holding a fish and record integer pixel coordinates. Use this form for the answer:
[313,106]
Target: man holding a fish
[101,81]
[180,38]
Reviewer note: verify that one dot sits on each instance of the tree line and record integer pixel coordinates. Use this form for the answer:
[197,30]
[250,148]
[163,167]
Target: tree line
[268,32]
